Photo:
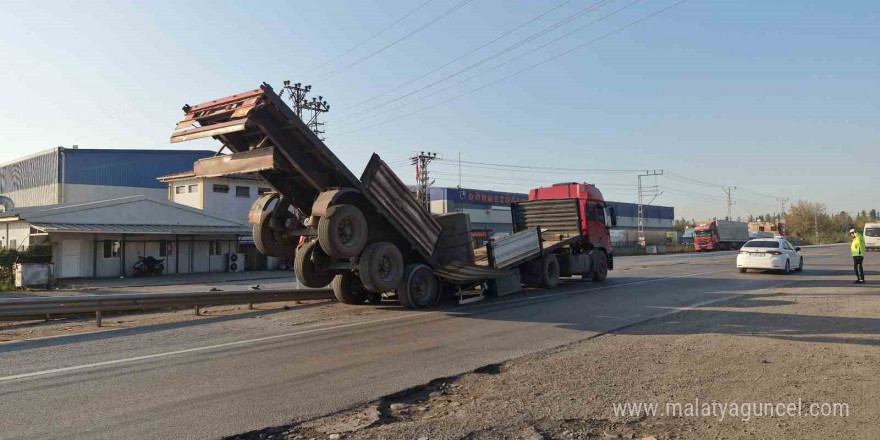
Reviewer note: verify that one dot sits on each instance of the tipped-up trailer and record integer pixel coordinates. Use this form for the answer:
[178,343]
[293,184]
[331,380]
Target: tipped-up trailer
[368,236]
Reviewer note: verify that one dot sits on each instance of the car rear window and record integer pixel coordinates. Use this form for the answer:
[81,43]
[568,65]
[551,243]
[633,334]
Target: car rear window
[762,244]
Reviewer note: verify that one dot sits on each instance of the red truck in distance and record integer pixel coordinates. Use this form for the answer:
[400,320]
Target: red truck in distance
[720,235]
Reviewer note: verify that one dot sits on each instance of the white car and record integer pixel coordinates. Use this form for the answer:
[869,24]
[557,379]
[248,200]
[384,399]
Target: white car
[770,254]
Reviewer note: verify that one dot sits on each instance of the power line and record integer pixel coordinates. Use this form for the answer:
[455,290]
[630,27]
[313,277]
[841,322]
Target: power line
[532,20]
[497,54]
[485,86]
[371,37]
[533,167]
[393,43]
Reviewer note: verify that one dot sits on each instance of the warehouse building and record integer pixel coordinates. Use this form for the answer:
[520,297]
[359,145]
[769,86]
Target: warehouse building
[107,238]
[489,212]
[73,175]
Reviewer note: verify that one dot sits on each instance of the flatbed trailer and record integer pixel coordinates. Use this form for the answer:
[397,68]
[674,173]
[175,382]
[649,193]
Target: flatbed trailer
[364,236]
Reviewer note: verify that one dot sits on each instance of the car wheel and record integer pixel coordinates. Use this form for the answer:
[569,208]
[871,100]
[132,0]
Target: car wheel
[742,270]
[787,269]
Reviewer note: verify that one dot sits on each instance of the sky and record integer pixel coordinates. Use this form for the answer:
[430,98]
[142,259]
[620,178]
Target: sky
[780,99]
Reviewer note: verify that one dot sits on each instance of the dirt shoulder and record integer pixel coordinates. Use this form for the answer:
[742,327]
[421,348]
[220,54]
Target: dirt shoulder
[814,342]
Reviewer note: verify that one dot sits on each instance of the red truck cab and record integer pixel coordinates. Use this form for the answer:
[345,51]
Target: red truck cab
[705,236]
[596,218]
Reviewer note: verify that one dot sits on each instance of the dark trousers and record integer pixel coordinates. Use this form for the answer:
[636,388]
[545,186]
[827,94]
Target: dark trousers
[860,270]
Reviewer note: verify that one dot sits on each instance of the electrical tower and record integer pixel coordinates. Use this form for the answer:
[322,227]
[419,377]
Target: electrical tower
[302,106]
[422,183]
[644,192]
[782,201]
[729,191]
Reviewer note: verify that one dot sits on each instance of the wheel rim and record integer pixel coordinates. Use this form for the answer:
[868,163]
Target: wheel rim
[419,289]
[345,231]
[384,268]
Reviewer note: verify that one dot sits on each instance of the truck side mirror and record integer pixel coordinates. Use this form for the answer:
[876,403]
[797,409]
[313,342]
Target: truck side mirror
[613,216]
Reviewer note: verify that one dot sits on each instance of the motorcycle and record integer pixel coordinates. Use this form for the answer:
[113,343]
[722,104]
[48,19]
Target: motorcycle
[148,266]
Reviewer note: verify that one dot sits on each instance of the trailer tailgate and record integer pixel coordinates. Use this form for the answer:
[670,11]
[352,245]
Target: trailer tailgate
[397,204]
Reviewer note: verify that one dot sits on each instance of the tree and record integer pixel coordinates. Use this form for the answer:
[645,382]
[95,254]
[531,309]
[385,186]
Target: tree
[806,220]
[680,225]
[873,214]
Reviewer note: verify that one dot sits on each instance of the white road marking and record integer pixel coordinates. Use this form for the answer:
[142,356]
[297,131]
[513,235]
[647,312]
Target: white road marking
[336,327]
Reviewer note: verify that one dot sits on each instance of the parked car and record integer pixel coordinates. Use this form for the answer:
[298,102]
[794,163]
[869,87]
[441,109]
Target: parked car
[770,254]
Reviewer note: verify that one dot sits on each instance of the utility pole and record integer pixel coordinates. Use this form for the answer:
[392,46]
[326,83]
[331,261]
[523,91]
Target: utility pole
[729,191]
[642,195]
[782,201]
[422,183]
[296,94]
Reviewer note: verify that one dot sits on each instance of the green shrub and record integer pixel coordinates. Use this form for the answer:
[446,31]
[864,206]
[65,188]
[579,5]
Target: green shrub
[40,253]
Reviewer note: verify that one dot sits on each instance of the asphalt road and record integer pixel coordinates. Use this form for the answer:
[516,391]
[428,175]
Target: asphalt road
[234,375]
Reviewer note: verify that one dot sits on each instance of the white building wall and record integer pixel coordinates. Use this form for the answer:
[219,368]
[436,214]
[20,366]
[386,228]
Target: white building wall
[75,193]
[229,205]
[93,263]
[192,192]
[15,233]
[38,196]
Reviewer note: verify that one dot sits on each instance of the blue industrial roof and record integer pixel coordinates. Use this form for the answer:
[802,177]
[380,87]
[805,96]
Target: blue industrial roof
[134,168]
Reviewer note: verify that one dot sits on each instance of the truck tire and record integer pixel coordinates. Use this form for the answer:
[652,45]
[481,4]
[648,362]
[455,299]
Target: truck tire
[381,267]
[310,266]
[343,231]
[418,288]
[266,242]
[549,271]
[348,289]
[601,270]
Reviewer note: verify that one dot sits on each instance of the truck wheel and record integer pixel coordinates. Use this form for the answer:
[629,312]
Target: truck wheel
[601,271]
[348,289]
[381,267]
[419,287]
[343,231]
[549,271]
[266,241]
[310,266]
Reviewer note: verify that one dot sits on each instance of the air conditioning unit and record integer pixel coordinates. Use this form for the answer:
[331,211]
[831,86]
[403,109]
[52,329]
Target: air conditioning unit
[236,262]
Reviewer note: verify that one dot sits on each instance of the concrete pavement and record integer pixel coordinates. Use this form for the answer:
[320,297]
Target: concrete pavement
[226,377]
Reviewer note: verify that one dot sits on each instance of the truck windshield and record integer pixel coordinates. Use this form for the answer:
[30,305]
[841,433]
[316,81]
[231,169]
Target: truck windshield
[703,233]
[872,232]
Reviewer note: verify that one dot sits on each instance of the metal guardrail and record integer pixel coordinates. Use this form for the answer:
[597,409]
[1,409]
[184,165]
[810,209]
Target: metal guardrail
[44,307]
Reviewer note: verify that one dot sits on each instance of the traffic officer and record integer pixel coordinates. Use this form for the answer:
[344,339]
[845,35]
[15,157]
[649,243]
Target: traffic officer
[858,253]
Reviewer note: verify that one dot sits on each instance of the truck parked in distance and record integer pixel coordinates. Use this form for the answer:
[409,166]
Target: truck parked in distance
[720,235]
[872,236]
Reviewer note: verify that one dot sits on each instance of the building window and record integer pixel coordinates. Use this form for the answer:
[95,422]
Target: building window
[214,247]
[221,189]
[242,191]
[180,189]
[163,248]
[193,188]
[111,249]
[262,191]
[13,245]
